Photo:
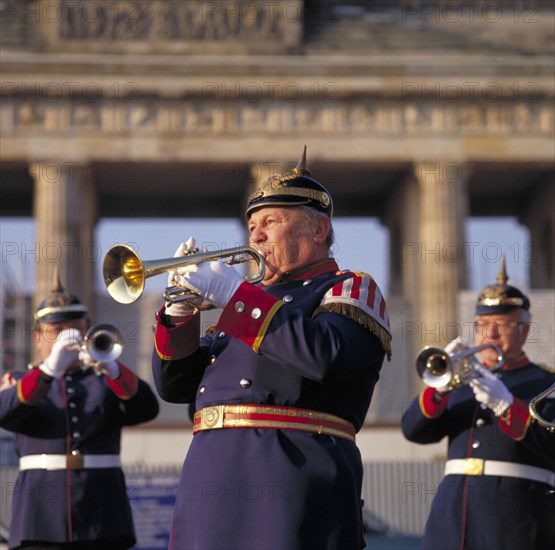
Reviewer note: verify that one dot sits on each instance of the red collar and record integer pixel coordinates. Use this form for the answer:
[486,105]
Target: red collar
[311,270]
[516,363]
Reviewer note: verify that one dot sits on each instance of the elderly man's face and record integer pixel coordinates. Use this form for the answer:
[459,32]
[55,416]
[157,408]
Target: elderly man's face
[508,330]
[288,237]
[46,334]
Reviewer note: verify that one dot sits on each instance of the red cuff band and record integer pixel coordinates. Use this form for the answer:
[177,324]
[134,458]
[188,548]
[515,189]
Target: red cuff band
[429,408]
[126,385]
[28,385]
[248,314]
[179,341]
[517,420]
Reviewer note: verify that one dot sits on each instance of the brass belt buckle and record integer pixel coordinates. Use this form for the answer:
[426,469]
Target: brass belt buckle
[473,467]
[75,462]
[212,417]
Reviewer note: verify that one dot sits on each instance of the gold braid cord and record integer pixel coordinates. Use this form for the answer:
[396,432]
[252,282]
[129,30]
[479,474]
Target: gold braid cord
[357,315]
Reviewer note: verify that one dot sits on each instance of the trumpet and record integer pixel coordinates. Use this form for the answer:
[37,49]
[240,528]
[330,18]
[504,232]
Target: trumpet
[125,273]
[439,368]
[101,343]
[533,408]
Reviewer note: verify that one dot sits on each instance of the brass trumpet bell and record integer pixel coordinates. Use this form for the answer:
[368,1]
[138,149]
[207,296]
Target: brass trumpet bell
[103,343]
[125,273]
[438,368]
[434,366]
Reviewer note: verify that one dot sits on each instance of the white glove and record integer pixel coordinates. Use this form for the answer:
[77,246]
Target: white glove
[490,391]
[215,281]
[175,277]
[63,354]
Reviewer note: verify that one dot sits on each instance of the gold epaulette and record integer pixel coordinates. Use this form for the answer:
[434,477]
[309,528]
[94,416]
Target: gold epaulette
[362,318]
[546,368]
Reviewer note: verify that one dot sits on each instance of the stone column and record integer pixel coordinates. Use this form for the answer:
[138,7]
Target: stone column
[398,379]
[539,220]
[257,173]
[442,259]
[402,219]
[65,216]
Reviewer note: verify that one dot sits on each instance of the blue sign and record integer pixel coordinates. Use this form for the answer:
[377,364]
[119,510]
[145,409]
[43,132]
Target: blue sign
[152,498]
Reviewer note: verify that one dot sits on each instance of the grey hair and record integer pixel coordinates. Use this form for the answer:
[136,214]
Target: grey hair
[315,214]
[526,316]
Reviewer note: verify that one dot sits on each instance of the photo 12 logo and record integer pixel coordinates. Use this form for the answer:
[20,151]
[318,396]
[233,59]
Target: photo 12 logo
[468,11]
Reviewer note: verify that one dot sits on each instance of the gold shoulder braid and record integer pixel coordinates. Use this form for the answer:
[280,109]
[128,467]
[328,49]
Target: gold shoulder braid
[357,315]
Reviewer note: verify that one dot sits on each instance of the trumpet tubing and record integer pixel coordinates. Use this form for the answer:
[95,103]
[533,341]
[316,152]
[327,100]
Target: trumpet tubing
[125,273]
[535,414]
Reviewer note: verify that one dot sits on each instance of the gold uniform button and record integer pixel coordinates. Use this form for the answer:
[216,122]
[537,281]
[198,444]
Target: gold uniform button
[256,313]
[239,307]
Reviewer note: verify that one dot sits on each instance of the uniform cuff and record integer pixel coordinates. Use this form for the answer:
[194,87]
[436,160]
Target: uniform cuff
[179,341]
[429,408]
[516,419]
[30,389]
[126,385]
[248,314]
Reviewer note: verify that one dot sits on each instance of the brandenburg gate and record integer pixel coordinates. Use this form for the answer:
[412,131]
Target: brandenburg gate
[176,109]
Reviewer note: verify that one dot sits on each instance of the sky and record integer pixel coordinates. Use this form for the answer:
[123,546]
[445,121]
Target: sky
[362,244]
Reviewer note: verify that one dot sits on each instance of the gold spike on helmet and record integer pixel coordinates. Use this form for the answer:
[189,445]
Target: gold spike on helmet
[60,305]
[501,297]
[294,188]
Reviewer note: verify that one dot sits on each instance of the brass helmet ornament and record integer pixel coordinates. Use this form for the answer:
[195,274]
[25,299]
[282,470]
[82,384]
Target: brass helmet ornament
[60,305]
[294,188]
[501,297]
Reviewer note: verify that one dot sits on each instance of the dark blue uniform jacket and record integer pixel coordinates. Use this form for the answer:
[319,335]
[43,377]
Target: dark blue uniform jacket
[85,413]
[278,489]
[489,512]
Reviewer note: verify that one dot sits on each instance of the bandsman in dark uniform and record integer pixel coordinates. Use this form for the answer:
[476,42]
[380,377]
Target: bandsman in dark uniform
[497,492]
[281,385]
[67,421]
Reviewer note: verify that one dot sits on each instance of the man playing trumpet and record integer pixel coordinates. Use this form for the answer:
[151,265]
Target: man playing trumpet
[67,421]
[280,386]
[497,492]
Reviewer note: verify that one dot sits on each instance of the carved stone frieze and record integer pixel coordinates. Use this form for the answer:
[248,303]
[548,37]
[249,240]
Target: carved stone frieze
[175,23]
[162,116]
